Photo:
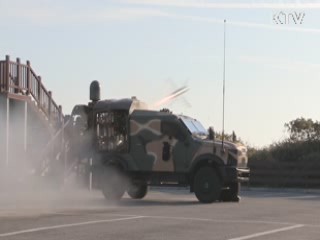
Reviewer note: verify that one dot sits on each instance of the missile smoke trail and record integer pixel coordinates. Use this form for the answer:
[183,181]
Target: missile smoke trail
[175,94]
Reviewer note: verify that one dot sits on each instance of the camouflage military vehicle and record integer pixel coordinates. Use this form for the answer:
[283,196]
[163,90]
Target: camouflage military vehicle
[133,147]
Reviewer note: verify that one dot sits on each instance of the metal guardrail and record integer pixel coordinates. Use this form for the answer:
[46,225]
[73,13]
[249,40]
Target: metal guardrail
[285,174]
[19,79]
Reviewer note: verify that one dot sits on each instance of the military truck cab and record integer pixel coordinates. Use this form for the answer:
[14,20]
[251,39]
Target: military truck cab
[133,147]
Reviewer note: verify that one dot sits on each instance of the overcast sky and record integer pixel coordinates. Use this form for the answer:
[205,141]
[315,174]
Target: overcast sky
[147,48]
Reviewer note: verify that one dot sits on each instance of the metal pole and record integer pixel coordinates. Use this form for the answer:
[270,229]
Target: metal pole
[63,152]
[28,78]
[224,78]
[7,132]
[25,135]
[7,72]
[25,140]
[90,176]
[18,82]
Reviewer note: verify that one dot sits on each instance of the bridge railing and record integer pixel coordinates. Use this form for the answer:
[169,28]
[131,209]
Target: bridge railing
[20,79]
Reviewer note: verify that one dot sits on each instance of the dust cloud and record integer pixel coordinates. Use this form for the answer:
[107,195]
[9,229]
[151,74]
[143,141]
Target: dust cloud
[26,189]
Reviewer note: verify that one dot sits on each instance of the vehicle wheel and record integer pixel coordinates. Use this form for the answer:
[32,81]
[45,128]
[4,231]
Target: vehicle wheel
[207,185]
[113,184]
[231,194]
[137,189]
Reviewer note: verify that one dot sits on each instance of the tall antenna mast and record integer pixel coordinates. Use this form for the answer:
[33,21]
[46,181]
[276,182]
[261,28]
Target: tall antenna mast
[224,79]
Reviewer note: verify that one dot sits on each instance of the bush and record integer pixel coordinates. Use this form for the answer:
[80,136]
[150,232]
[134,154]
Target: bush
[288,151]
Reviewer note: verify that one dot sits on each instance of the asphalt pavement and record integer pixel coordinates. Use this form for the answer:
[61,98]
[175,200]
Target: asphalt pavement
[163,214]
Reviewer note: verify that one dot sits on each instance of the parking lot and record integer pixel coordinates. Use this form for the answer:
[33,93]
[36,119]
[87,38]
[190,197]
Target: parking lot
[163,214]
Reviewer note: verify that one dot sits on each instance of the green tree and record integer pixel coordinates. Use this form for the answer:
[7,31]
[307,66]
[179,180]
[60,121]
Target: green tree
[302,129]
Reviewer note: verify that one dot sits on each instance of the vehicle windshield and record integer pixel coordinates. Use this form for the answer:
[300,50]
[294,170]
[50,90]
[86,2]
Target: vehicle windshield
[194,126]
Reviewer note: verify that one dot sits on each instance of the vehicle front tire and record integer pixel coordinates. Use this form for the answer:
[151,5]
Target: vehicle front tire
[207,185]
[113,184]
[137,189]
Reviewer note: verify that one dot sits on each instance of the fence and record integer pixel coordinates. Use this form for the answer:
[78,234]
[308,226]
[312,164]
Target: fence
[285,174]
[20,79]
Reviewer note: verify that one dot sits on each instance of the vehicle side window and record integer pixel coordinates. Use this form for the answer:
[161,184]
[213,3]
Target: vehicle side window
[172,129]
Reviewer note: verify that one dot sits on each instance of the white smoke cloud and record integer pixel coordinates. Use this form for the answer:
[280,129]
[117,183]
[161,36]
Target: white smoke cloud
[22,188]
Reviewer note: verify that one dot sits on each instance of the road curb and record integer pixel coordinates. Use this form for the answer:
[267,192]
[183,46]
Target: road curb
[288,190]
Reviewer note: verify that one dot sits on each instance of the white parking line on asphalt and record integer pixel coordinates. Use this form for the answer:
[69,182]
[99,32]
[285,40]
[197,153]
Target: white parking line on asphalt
[242,221]
[268,232]
[31,230]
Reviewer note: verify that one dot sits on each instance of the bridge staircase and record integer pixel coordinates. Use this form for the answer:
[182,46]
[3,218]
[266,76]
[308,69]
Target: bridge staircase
[33,136]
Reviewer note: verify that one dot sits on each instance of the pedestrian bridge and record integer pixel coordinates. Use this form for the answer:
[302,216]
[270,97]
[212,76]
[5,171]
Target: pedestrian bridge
[31,122]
